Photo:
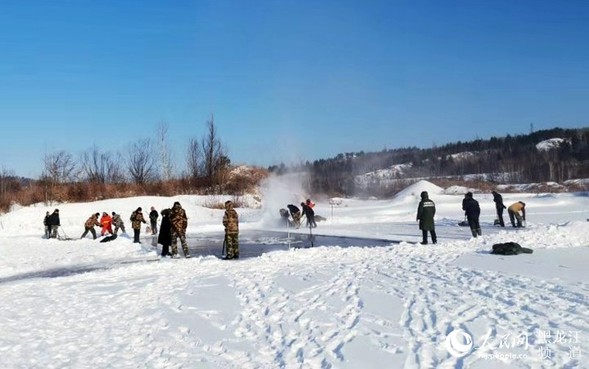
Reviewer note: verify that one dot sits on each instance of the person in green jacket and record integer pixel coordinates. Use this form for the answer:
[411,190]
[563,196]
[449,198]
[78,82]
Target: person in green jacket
[425,216]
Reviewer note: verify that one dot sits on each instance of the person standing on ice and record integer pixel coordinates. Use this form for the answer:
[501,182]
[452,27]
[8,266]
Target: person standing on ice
[118,222]
[153,220]
[47,225]
[89,225]
[231,224]
[179,222]
[309,213]
[106,223]
[514,211]
[164,237]
[54,223]
[472,210]
[425,216]
[499,206]
[136,220]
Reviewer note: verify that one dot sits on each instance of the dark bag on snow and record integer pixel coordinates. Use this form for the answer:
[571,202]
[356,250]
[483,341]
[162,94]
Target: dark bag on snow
[109,238]
[510,248]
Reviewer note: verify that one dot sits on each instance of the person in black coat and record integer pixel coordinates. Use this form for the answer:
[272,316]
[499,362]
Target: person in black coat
[309,213]
[54,223]
[295,213]
[165,236]
[426,210]
[499,206]
[472,211]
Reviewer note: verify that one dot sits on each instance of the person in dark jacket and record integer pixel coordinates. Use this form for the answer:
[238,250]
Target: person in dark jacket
[472,210]
[499,206]
[231,224]
[47,226]
[54,223]
[425,216]
[309,213]
[136,220]
[295,213]
[165,236]
[153,220]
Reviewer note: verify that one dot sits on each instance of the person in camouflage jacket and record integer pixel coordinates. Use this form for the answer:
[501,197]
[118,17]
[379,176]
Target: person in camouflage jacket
[118,222]
[89,225]
[179,223]
[136,220]
[231,224]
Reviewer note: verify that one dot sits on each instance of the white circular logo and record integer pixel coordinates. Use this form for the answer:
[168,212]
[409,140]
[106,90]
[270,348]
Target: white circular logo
[459,343]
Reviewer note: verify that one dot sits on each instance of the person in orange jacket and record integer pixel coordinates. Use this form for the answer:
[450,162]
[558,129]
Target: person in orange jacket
[106,223]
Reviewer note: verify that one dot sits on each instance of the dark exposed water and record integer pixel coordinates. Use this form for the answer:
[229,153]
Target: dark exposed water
[256,243]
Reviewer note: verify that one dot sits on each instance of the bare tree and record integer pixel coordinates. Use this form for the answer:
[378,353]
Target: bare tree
[194,159]
[141,162]
[166,166]
[60,167]
[95,165]
[114,169]
[8,185]
[215,159]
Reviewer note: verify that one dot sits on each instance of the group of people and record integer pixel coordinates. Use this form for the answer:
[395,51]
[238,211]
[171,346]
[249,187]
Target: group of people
[296,214]
[51,223]
[105,222]
[427,209]
[172,227]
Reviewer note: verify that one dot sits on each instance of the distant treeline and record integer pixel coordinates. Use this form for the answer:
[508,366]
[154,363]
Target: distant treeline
[503,159]
[145,168]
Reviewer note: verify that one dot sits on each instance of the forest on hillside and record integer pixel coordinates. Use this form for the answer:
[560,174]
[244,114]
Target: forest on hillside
[509,159]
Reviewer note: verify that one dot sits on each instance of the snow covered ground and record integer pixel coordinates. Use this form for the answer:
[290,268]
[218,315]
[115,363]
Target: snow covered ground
[85,304]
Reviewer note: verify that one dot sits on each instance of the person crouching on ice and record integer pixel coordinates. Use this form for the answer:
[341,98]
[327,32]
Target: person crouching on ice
[517,211]
[231,224]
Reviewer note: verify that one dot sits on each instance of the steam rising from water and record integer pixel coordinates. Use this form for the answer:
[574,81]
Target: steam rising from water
[279,191]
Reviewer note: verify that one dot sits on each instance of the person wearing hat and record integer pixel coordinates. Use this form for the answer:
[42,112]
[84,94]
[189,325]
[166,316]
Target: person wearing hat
[517,211]
[499,206]
[118,222]
[231,224]
[106,223]
[89,225]
[309,213]
[472,210]
[425,216]
[54,223]
[179,222]
[136,220]
[164,237]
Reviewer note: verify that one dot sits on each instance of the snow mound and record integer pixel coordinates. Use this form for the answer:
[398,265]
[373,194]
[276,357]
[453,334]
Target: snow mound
[415,190]
[550,144]
[458,190]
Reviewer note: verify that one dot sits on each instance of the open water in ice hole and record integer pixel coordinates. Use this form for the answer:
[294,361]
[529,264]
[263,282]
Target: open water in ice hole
[255,243]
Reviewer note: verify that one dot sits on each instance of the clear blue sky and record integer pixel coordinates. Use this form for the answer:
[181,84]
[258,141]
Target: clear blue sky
[285,80]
